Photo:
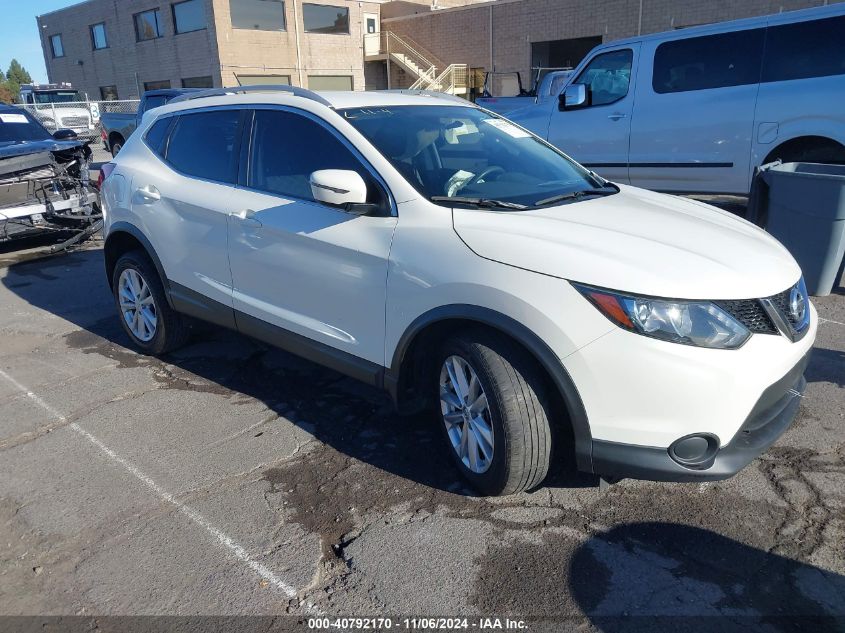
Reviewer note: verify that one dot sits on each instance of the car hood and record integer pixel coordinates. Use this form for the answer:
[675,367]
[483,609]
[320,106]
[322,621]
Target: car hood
[636,241]
[22,148]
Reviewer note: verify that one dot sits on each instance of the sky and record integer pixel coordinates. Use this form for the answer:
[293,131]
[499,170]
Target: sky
[19,33]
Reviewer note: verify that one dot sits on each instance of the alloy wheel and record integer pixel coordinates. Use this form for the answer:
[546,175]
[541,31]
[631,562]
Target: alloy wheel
[137,305]
[466,414]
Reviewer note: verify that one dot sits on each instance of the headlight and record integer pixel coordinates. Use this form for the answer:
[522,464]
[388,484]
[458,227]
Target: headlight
[699,323]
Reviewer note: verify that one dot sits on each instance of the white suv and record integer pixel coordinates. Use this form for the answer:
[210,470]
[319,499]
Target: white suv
[421,244]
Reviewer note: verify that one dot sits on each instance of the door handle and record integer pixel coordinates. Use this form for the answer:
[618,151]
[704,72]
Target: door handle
[247,218]
[148,194]
[616,116]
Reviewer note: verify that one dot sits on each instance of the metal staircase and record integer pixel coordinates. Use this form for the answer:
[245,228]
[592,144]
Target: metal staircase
[429,72]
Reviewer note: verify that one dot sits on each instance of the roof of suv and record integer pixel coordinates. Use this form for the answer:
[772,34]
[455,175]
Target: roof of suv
[359,99]
[336,100]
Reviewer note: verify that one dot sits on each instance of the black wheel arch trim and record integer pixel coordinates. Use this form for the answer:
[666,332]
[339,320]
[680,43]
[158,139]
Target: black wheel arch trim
[526,337]
[134,231]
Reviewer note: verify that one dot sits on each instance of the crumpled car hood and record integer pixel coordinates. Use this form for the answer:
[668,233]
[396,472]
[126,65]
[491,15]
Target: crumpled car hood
[636,241]
[21,148]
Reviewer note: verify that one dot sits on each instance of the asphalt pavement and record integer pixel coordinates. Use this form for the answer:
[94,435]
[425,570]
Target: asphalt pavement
[230,478]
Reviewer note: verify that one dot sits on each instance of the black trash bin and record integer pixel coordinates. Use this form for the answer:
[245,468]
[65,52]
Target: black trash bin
[803,206]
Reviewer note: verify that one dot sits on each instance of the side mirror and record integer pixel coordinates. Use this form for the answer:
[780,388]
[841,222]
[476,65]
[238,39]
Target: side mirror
[341,188]
[64,135]
[573,97]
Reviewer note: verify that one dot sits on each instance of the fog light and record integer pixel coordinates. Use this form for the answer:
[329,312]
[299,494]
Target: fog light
[695,451]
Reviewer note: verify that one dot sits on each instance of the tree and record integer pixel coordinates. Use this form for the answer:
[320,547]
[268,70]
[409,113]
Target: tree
[11,84]
[18,73]
[6,95]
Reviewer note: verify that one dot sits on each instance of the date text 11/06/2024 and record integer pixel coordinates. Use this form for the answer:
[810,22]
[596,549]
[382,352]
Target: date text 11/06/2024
[417,624]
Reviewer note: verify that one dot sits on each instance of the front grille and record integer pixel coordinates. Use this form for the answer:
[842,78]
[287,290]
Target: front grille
[75,121]
[781,302]
[750,313]
[33,174]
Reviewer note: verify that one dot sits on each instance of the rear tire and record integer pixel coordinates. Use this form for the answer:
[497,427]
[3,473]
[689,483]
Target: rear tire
[116,147]
[501,375]
[152,325]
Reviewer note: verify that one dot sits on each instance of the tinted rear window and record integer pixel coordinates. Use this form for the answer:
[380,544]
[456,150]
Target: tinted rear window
[156,135]
[203,145]
[711,61]
[805,49]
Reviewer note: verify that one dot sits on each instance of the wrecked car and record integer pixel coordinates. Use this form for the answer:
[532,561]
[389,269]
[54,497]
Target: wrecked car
[44,179]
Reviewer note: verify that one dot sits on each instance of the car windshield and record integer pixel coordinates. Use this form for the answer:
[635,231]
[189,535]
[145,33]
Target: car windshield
[56,97]
[468,155]
[16,127]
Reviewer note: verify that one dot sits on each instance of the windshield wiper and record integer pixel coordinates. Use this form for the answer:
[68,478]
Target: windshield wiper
[574,195]
[484,203]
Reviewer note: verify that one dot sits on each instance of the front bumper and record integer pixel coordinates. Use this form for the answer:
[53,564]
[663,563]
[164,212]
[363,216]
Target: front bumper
[771,416]
[34,218]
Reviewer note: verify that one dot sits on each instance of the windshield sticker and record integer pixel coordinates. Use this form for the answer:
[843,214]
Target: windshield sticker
[507,127]
[13,118]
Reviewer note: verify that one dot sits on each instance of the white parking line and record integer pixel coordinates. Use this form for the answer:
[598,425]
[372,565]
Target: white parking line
[823,320]
[221,537]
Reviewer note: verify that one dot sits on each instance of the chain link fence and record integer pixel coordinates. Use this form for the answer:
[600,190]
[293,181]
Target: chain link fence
[83,117]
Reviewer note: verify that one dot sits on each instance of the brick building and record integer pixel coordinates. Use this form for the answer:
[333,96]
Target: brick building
[518,35]
[119,48]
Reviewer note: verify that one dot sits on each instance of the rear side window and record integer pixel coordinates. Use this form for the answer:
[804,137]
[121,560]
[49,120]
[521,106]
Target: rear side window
[805,49]
[157,134]
[288,147]
[202,144]
[711,61]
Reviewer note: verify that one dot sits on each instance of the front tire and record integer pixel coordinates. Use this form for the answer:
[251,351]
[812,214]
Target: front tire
[152,325]
[493,413]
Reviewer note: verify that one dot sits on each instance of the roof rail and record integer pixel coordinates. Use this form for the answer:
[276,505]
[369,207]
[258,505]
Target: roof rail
[216,92]
[426,93]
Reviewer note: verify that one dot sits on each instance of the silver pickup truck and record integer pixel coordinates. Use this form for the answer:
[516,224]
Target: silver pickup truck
[117,126]
[503,92]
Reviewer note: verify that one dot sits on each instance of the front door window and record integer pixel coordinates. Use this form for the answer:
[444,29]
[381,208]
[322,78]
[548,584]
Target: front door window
[608,76]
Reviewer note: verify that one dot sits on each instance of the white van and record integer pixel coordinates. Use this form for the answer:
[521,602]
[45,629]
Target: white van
[696,110]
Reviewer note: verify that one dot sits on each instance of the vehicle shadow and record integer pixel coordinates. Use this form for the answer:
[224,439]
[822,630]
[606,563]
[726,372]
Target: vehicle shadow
[667,576]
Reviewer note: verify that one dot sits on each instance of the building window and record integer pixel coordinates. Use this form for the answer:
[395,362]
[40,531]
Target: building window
[156,85]
[56,45]
[98,36]
[330,82]
[261,15]
[189,16]
[108,93]
[148,25]
[198,82]
[325,18]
